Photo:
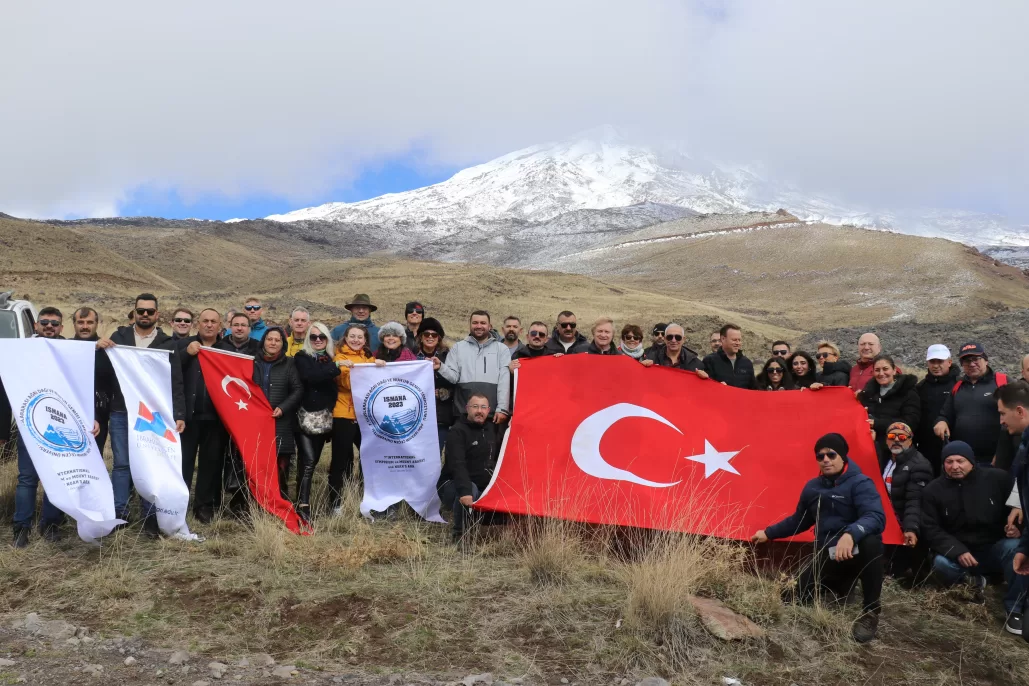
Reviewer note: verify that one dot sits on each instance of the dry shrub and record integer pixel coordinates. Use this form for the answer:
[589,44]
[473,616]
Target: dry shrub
[551,550]
[371,546]
[8,479]
[269,539]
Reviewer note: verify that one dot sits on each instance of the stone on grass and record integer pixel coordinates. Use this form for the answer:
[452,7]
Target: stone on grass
[32,622]
[4,662]
[652,681]
[201,683]
[217,669]
[473,679]
[262,660]
[58,629]
[73,642]
[284,671]
[722,622]
[93,670]
[129,661]
[179,657]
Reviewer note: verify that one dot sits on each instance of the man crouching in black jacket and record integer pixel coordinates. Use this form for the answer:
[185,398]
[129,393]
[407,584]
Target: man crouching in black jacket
[470,460]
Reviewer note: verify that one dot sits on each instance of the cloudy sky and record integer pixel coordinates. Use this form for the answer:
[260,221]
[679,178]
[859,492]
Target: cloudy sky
[224,109]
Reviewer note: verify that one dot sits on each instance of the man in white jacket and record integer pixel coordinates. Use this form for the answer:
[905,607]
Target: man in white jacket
[479,364]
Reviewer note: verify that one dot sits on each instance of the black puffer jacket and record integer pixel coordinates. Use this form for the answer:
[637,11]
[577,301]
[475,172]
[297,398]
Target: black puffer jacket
[900,404]
[555,346]
[471,456]
[959,514]
[688,359]
[972,415]
[126,336]
[318,376]
[933,392]
[283,389]
[612,349]
[444,389]
[910,476]
[834,374]
[738,373]
[523,352]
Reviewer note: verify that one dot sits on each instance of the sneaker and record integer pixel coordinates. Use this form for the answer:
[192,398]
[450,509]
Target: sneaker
[21,537]
[50,532]
[1014,624]
[337,512]
[976,583]
[865,627]
[150,528]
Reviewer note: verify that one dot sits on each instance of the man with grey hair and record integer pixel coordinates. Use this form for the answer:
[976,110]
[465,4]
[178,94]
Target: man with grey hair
[299,322]
[674,353]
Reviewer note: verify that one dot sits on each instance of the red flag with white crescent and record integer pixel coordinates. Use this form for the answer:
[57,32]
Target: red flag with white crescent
[609,441]
[247,416]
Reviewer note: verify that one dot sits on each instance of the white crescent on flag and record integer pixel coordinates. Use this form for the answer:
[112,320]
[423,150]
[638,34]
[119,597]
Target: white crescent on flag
[239,382]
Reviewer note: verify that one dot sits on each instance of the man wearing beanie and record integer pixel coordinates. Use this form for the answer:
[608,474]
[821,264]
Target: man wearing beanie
[847,514]
[964,520]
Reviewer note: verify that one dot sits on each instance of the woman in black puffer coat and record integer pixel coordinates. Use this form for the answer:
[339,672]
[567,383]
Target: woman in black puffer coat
[889,397]
[277,376]
[317,372]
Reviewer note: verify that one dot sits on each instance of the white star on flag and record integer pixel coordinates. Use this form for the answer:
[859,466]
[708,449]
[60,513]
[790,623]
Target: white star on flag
[714,460]
[241,405]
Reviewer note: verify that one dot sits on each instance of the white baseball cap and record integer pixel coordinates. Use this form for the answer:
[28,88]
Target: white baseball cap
[937,352]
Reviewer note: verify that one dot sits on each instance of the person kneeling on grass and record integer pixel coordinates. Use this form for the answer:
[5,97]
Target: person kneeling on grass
[965,522]
[847,514]
[471,458]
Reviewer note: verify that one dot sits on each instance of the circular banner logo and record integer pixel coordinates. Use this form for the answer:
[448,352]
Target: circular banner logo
[54,424]
[395,409]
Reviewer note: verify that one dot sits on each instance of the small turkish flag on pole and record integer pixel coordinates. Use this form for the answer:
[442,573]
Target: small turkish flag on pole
[609,441]
[246,414]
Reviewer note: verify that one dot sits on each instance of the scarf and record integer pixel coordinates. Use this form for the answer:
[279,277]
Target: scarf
[635,353]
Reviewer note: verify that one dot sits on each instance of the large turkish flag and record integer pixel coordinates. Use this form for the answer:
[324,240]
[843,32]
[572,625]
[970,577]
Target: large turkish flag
[246,414]
[609,441]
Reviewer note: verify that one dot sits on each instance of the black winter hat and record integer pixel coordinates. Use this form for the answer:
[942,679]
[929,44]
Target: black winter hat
[834,442]
[957,448]
[431,324]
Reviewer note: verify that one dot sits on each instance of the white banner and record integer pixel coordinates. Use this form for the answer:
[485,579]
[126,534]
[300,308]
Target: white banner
[50,386]
[396,411]
[155,449]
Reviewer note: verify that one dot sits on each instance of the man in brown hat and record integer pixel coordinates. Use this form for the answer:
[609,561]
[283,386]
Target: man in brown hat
[361,309]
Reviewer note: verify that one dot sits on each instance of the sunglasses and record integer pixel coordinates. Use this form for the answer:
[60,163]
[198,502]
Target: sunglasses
[780,353]
[430,334]
[146,311]
[831,454]
[775,370]
[50,322]
[182,320]
[251,308]
[319,337]
[629,337]
[822,356]
[537,334]
[567,325]
[657,333]
[897,437]
[673,337]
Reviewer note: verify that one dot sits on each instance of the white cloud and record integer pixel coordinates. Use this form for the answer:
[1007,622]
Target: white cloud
[881,101]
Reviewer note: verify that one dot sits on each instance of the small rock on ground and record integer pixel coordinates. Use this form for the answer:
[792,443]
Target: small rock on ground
[652,681]
[129,661]
[217,669]
[93,670]
[179,657]
[4,662]
[284,671]
[473,679]
[201,683]
[262,660]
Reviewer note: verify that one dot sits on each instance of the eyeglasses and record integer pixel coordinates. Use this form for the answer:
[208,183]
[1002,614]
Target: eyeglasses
[251,308]
[831,454]
[319,337]
[567,325]
[970,359]
[430,334]
[897,437]
[780,353]
[182,320]
[822,356]
[774,370]
[673,337]
[147,311]
[630,337]
[50,322]
[537,334]
[478,407]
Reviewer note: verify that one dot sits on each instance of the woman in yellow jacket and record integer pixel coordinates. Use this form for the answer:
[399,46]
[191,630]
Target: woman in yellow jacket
[353,349]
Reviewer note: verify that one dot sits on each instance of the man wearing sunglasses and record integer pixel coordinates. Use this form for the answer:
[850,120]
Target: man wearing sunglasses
[50,323]
[834,372]
[566,340]
[965,523]
[182,323]
[535,344]
[847,514]
[781,349]
[657,338]
[674,353]
[254,309]
[906,473]
[143,333]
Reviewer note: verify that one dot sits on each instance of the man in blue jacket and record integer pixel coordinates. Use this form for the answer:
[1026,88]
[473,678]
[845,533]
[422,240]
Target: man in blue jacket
[1013,406]
[847,514]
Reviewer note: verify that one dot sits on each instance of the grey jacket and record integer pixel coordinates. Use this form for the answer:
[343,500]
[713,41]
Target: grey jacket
[479,368]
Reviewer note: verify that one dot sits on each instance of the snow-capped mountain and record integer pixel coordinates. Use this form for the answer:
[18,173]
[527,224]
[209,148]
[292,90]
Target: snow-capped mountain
[601,169]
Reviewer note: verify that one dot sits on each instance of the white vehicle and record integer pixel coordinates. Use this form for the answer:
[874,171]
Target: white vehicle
[17,317]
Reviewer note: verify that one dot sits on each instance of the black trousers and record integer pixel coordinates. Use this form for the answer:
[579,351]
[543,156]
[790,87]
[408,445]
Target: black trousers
[203,445]
[840,577]
[344,435]
[103,418]
[309,450]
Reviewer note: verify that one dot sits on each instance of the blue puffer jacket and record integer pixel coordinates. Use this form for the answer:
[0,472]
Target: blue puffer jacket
[847,504]
[373,332]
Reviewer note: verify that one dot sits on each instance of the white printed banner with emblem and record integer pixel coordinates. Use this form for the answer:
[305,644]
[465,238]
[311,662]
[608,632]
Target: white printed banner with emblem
[50,386]
[396,411]
[155,448]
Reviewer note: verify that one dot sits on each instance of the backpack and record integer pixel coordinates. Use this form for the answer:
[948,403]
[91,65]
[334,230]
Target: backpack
[1002,379]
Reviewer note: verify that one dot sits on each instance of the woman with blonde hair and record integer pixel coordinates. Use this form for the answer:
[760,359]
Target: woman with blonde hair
[318,372]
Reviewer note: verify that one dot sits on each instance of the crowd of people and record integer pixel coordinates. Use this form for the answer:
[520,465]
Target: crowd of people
[951,447]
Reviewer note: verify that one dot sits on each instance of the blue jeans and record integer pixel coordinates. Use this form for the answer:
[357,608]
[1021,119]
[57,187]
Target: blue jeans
[441,432]
[992,560]
[25,494]
[121,476]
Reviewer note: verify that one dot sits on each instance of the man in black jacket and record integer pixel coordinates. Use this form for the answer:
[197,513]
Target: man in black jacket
[674,353]
[834,372]
[657,338]
[87,321]
[906,474]
[143,333]
[970,413]
[238,340]
[205,438]
[729,366]
[470,462]
[566,339]
[964,520]
[933,392]
[535,343]
[1013,405]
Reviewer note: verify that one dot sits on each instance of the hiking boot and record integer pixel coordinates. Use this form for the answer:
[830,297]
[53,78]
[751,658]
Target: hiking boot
[865,627]
[50,532]
[21,537]
[1014,624]
[204,515]
[976,583]
[304,512]
[150,528]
